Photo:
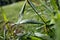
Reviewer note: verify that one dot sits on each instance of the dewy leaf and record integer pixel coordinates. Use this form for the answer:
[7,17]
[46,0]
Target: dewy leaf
[30,22]
[53,3]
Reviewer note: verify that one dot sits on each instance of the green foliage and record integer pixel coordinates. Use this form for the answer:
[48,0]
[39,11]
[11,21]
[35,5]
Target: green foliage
[35,38]
[58,25]
[34,22]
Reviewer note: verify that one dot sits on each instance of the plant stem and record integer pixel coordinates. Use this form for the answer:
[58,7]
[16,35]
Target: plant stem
[33,7]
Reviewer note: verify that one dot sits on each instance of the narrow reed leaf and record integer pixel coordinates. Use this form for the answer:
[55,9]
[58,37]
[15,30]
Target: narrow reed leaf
[21,13]
[34,8]
[22,10]
[30,22]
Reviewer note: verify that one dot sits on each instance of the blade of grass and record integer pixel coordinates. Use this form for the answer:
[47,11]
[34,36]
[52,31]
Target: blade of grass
[30,22]
[21,12]
[33,7]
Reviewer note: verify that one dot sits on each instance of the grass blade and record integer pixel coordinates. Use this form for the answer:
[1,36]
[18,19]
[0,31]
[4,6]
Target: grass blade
[30,22]
[22,12]
[33,7]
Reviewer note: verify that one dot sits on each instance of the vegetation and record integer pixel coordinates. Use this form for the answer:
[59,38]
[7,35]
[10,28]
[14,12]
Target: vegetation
[30,20]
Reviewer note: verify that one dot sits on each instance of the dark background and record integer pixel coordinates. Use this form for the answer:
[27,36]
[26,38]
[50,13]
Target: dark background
[6,2]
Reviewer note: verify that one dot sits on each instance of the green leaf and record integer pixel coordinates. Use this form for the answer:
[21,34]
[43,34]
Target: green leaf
[29,22]
[5,18]
[22,12]
[35,38]
[4,15]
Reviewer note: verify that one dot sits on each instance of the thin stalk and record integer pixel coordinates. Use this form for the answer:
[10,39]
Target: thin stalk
[21,13]
[33,7]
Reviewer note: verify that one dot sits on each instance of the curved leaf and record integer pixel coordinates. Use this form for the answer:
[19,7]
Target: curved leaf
[29,22]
